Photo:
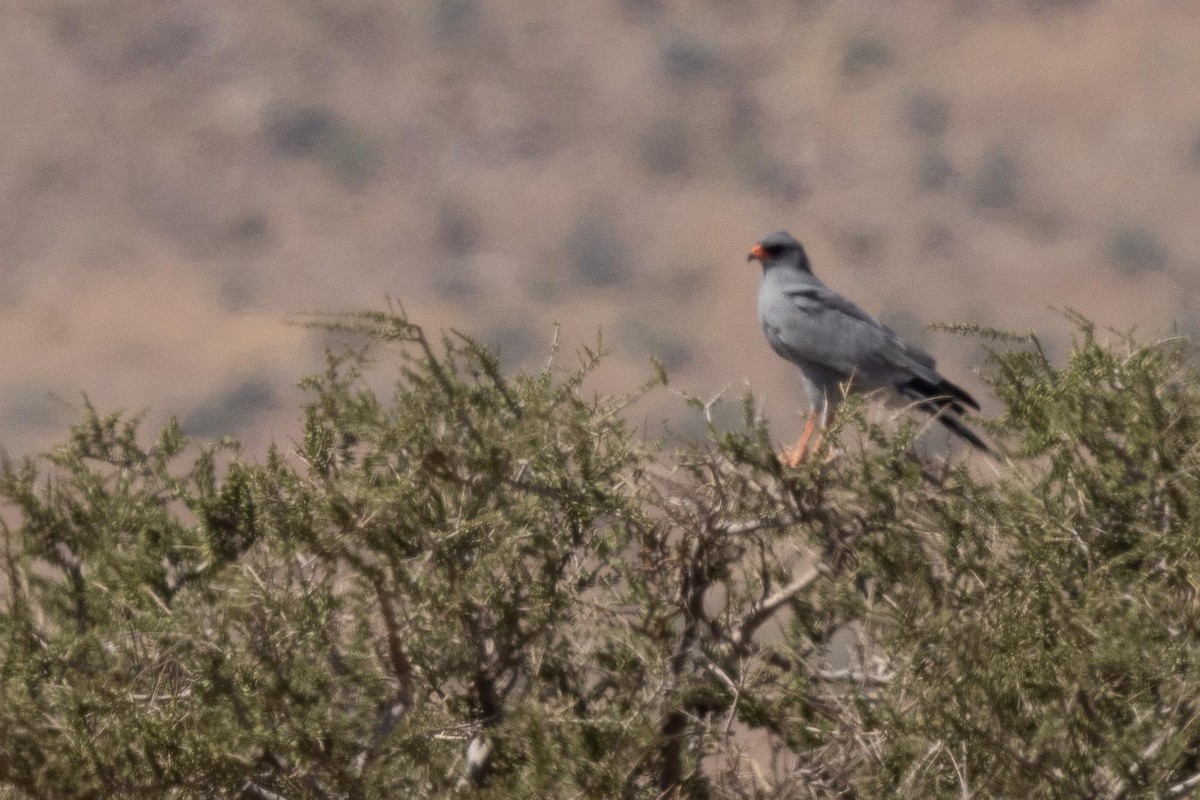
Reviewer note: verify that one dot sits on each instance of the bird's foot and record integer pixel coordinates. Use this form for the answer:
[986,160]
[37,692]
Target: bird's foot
[792,457]
[806,447]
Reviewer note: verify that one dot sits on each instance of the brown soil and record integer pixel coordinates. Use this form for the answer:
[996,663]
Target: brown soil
[181,178]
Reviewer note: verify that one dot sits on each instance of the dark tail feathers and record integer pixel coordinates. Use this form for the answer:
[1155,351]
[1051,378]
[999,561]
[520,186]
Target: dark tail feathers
[940,394]
[943,401]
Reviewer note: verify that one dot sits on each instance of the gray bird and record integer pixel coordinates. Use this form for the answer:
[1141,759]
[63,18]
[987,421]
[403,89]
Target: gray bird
[840,347]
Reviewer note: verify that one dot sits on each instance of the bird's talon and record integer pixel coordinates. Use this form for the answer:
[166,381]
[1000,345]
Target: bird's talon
[792,457]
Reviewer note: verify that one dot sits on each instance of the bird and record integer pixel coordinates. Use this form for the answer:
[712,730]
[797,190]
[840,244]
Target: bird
[839,347]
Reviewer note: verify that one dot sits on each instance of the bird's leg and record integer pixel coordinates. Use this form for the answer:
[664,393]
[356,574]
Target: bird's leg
[795,457]
[823,416]
[813,434]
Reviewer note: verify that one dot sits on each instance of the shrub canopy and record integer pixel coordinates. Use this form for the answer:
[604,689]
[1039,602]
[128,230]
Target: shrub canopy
[491,584]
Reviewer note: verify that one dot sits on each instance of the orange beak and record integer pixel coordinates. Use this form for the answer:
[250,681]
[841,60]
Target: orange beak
[757,254]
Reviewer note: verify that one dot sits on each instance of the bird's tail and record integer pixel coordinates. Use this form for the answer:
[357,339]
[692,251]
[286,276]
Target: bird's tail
[956,426]
[945,408]
[941,394]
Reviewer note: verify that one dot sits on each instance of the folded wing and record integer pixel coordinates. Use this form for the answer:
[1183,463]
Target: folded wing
[814,325]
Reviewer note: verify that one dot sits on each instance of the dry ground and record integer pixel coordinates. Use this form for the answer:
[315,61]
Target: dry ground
[179,178]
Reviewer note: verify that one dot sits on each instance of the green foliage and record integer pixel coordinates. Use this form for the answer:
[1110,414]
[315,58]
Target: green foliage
[1049,631]
[477,583]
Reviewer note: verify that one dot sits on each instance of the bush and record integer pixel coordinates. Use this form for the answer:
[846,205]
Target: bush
[320,133]
[1136,249]
[597,249]
[998,180]
[488,584]
[865,56]
[690,59]
[927,114]
[935,171]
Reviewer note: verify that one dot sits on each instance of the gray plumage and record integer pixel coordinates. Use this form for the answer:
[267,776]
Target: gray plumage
[835,343]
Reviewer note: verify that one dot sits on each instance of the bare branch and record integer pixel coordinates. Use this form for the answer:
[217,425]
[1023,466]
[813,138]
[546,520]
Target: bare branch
[763,611]
[401,665]
[1183,787]
[254,790]
[1150,751]
[479,762]
[748,526]
[857,676]
[723,676]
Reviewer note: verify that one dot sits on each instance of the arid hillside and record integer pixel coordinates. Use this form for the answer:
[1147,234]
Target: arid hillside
[179,180]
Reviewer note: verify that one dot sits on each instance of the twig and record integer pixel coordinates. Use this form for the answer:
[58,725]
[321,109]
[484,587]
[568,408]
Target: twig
[733,689]
[1135,769]
[961,772]
[856,676]
[763,611]
[1184,787]
[749,526]
[254,790]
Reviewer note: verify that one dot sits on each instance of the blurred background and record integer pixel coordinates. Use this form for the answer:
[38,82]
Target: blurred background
[179,178]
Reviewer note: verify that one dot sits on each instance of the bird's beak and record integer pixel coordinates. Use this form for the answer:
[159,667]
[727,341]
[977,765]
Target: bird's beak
[757,254]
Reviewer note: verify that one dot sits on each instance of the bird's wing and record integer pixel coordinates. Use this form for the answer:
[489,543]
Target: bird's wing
[817,325]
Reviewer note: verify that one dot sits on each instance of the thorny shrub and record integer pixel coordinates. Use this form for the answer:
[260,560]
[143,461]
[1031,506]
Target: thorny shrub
[488,584]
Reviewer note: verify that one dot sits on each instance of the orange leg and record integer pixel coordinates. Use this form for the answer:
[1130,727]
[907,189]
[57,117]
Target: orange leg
[812,436]
[796,456]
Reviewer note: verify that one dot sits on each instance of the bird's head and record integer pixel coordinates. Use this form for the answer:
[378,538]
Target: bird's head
[780,250]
